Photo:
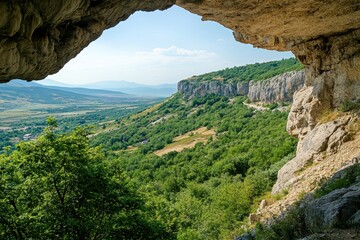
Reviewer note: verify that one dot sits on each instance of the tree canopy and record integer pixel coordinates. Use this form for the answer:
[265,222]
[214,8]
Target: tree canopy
[58,187]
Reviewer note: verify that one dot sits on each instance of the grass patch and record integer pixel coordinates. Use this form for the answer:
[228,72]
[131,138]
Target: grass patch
[329,115]
[348,106]
[306,166]
[145,112]
[351,176]
[187,140]
[353,128]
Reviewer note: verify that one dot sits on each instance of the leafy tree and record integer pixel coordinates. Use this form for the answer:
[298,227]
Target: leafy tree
[58,187]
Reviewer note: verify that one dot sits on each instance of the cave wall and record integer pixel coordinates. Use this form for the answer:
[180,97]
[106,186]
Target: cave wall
[38,37]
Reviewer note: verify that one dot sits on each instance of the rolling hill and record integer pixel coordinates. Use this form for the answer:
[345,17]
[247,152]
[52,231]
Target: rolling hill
[163,90]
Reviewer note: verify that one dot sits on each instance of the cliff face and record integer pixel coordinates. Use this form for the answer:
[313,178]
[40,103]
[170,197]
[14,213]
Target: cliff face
[276,89]
[192,89]
[332,78]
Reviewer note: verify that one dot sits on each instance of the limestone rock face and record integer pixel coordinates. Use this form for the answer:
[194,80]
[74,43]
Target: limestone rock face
[192,88]
[38,37]
[336,209]
[279,24]
[279,88]
[332,77]
[323,139]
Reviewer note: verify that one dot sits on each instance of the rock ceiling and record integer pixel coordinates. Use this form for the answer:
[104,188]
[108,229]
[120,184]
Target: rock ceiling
[38,37]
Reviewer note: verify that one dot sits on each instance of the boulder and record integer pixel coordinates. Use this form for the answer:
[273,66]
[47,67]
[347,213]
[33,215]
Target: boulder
[339,208]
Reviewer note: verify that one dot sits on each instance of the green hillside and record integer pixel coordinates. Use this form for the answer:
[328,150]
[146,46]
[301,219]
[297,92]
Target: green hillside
[180,169]
[24,106]
[257,71]
[203,192]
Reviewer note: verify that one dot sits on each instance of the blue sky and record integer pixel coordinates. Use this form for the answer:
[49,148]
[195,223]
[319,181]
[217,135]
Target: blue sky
[161,47]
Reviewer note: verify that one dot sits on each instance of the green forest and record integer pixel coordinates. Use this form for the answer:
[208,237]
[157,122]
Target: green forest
[256,71]
[122,184]
[208,191]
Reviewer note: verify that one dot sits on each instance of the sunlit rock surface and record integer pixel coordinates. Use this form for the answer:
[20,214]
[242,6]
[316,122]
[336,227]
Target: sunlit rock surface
[38,37]
[280,88]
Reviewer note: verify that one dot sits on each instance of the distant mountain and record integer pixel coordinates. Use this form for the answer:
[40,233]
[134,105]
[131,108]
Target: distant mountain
[50,82]
[111,85]
[124,87]
[32,92]
[21,91]
[163,90]
[92,92]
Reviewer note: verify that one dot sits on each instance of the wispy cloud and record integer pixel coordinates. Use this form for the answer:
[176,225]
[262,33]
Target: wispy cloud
[177,52]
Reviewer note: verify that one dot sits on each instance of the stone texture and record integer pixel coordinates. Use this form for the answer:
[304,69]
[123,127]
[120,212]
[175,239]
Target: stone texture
[332,76]
[277,89]
[193,88]
[336,234]
[335,209]
[279,24]
[325,138]
[354,219]
[38,37]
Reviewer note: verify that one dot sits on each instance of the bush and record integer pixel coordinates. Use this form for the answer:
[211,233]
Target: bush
[350,106]
[290,226]
[351,176]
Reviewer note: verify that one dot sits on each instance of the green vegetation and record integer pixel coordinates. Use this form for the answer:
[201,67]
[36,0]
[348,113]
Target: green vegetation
[207,191]
[291,226]
[257,71]
[57,187]
[24,106]
[350,106]
[350,177]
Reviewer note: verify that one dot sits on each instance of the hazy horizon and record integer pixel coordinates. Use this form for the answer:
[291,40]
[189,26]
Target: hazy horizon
[49,81]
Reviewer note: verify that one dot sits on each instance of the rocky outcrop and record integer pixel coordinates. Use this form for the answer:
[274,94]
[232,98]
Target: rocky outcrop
[277,89]
[324,139]
[332,77]
[193,88]
[339,208]
[279,24]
